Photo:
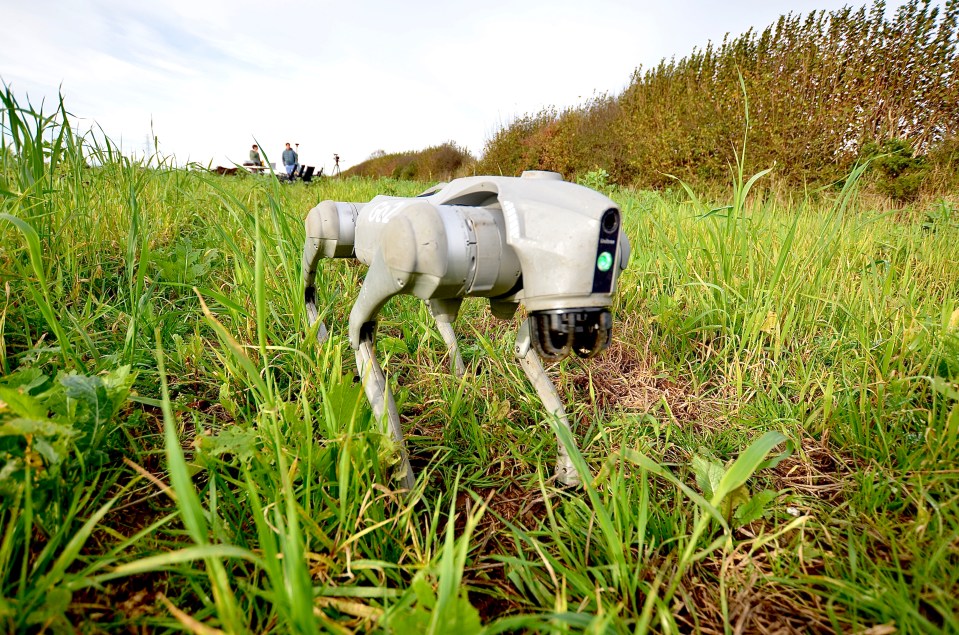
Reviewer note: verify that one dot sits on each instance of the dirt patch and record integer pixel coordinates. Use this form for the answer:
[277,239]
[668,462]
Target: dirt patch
[756,604]
[766,608]
[131,601]
[213,413]
[626,377]
[510,504]
[815,471]
[491,592]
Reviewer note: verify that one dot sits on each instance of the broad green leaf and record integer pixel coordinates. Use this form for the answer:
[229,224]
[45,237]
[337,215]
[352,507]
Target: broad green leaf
[118,383]
[746,464]
[89,391]
[24,379]
[708,472]
[236,440]
[412,620]
[346,402]
[737,497]
[425,595]
[754,508]
[21,403]
[392,346]
[22,426]
[461,617]
[944,387]
[55,604]
[47,450]
[103,394]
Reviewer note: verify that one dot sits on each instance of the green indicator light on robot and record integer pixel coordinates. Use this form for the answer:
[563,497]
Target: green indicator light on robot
[605,261]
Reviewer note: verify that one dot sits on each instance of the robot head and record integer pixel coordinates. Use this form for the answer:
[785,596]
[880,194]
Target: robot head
[571,247]
[555,247]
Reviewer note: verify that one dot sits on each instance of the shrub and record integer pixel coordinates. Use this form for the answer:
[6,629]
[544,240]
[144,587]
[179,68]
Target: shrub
[436,163]
[816,96]
[597,179]
[942,163]
[899,172]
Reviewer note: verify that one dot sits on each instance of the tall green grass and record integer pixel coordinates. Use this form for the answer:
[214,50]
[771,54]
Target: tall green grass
[772,437]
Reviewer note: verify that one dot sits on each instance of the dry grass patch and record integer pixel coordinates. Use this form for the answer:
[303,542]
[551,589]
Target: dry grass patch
[815,471]
[628,378]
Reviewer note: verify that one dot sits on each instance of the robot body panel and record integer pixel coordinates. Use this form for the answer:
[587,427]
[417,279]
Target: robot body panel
[555,247]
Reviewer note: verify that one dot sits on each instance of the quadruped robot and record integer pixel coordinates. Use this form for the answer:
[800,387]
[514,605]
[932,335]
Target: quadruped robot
[555,247]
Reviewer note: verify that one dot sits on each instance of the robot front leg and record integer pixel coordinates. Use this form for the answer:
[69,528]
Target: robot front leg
[445,312]
[378,287]
[381,400]
[313,313]
[566,472]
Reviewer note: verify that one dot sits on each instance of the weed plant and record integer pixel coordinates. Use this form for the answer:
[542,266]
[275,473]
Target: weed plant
[772,437]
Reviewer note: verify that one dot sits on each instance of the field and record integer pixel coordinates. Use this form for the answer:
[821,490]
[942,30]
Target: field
[773,435]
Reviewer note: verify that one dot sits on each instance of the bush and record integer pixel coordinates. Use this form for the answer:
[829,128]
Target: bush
[436,163]
[900,173]
[816,95]
[942,163]
[597,179]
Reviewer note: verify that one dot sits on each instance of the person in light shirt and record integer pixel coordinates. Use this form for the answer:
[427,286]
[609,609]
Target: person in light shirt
[289,160]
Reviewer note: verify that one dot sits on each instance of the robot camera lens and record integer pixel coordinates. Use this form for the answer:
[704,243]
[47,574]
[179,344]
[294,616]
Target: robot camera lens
[610,222]
[556,333]
[594,331]
[552,336]
[590,343]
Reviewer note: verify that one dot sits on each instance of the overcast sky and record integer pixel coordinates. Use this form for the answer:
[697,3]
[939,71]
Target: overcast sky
[344,76]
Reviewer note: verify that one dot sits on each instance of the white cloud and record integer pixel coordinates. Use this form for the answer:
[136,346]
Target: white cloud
[345,77]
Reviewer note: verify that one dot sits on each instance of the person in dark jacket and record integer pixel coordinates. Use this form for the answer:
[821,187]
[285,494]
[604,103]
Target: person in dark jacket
[254,157]
[289,160]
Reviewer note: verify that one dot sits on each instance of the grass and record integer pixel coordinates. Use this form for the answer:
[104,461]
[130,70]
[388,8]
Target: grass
[773,434]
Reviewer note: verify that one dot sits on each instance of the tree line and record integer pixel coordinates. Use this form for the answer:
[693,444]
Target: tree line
[436,163]
[821,91]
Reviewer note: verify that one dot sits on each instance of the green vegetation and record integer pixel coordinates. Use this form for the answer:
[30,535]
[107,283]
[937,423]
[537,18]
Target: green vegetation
[900,172]
[436,163]
[821,87]
[820,104]
[773,435]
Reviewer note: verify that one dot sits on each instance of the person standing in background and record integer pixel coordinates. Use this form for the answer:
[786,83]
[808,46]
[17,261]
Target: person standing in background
[289,160]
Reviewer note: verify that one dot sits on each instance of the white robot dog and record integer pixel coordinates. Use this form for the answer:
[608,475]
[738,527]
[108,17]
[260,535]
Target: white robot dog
[554,246]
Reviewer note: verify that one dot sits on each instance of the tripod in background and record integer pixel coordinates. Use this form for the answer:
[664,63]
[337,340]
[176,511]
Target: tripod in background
[336,165]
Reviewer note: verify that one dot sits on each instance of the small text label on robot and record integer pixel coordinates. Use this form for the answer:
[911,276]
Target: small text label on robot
[385,211]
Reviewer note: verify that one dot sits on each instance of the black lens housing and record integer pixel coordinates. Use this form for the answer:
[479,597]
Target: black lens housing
[556,333]
[610,221]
